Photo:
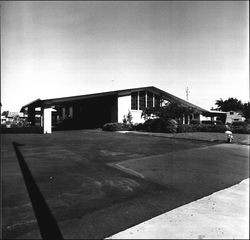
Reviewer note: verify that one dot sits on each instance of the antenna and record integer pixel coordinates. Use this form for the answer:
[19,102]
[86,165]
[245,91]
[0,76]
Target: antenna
[187,93]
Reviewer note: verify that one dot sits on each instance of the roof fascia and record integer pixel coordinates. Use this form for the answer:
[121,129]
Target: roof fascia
[35,102]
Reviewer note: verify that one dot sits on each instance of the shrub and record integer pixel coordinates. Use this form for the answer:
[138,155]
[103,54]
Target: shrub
[171,126]
[187,128]
[201,128]
[137,127]
[147,125]
[160,125]
[219,128]
[195,121]
[240,127]
[212,128]
[30,129]
[207,122]
[115,126]
[218,122]
[127,120]
[236,124]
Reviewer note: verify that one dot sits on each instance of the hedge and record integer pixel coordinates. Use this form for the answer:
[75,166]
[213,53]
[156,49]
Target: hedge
[187,128]
[171,126]
[160,125]
[115,126]
[235,128]
[211,128]
[240,127]
[31,129]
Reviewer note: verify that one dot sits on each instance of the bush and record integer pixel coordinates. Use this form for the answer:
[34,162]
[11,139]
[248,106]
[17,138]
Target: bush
[30,129]
[195,121]
[212,128]
[220,128]
[236,124]
[187,128]
[160,125]
[127,120]
[116,126]
[201,128]
[171,126]
[147,125]
[17,123]
[218,122]
[240,127]
[207,122]
[137,127]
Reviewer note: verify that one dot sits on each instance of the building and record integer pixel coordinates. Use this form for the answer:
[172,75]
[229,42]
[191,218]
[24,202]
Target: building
[9,117]
[233,116]
[213,116]
[94,110]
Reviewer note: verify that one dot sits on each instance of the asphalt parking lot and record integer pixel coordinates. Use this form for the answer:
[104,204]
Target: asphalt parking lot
[100,183]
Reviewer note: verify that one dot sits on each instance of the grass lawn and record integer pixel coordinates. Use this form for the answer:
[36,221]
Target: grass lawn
[72,170]
[203,136]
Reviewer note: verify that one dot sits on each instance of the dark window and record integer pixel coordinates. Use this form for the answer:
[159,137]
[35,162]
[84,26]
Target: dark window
[134,101]
[67,111]
[142,100]
[157,101]
[231,113]
[71,112]
[149,99]
[63,112]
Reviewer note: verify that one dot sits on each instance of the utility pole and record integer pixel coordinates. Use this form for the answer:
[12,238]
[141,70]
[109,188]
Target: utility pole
[187,93]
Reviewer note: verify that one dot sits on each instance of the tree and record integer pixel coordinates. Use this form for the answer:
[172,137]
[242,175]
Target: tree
[231,104]
[170,111]
[246,110]
[127,120]
[5,113]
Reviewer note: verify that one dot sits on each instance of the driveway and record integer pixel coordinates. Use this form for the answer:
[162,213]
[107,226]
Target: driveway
[83,178]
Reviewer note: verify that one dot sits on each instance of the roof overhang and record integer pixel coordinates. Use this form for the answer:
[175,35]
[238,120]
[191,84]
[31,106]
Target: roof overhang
[214,113]
[119,93]
[35,103]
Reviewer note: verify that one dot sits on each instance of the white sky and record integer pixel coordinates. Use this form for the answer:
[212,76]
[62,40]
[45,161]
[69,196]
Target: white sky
[59,49]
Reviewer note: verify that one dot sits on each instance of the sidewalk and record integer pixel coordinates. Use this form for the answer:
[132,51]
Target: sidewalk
[201,136]
[223,214]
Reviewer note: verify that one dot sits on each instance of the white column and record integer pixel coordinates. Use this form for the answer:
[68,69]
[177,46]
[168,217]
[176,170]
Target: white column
[199,118]
[42,117]
[153,100]
[188,119]
[146,99]
[47,121]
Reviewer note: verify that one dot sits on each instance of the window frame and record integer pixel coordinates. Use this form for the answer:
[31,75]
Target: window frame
[142,100]
[134,101]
